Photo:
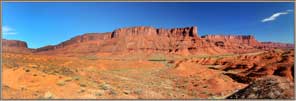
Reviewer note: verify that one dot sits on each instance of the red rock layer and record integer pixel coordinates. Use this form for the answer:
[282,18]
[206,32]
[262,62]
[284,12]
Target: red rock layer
[183,41]
[232,40]
[14,43]
[15,46]
[147,40]
[266,45]
[129,40]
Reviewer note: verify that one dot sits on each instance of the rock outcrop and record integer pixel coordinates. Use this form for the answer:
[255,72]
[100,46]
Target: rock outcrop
[232,40]
[15,46]
[268,45]
[270,87]
[14,43]
[241,41]
[148,40]
[231,43]
[248,67]
[129,40]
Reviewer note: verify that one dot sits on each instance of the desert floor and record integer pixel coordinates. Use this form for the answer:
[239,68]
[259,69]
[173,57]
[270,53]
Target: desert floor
[30,76]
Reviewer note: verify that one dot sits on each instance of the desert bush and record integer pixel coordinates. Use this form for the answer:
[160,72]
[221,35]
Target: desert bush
[105,86]
[27,70]
[58,70]
[76,77]
[82,84]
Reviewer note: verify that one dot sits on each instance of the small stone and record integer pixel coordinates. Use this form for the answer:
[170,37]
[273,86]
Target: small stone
[48,95]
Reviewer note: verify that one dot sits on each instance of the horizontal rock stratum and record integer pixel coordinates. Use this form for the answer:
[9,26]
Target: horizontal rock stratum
[183,41]
[14,43]
[15,46]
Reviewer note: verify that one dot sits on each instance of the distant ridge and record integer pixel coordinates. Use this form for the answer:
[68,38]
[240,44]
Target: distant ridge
[145,39]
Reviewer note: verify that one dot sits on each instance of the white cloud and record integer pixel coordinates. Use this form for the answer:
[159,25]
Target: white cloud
[8,30]
[274,16]
[289,10]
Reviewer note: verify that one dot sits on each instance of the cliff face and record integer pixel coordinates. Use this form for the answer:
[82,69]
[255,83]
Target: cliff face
[233,40]
[182,41]
[14,43]
[15,46]
[154,40]
[230,43]
[134,39]
[150,31]
[266,45]
[242,42]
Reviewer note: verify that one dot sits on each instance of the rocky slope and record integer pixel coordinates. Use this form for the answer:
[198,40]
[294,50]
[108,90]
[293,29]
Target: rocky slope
[248,67]
[270,87]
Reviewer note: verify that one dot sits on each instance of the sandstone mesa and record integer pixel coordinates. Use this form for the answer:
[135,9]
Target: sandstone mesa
[148,40]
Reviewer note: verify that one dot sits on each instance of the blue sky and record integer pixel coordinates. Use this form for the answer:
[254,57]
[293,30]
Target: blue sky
[50,23]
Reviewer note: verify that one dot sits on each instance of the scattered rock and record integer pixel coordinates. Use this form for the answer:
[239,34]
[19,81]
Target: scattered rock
[269,87]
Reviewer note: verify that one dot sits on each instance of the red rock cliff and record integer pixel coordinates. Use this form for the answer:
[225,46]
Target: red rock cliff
[145,39]
[15,46]
[233,39]
[131,39]
[14,43]
[266,45]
